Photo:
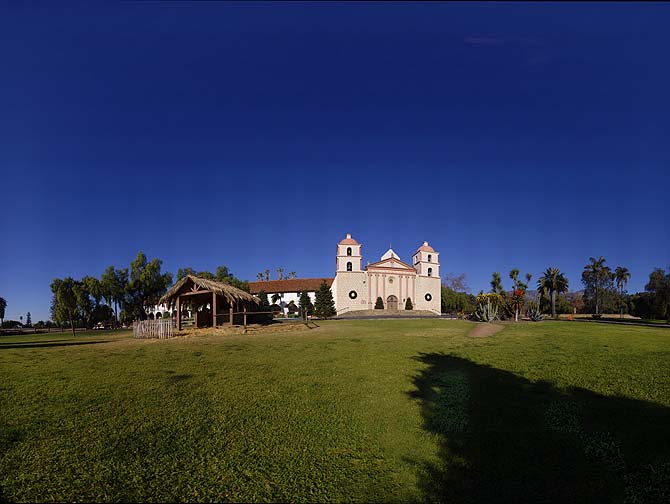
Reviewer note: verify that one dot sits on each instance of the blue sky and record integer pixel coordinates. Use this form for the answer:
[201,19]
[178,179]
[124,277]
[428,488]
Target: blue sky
[257,135]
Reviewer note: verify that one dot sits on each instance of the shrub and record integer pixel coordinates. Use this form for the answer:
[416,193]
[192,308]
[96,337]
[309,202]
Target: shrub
[408,304]
[379,305]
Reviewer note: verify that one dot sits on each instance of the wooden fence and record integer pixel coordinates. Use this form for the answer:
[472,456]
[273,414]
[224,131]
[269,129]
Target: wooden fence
[160,328]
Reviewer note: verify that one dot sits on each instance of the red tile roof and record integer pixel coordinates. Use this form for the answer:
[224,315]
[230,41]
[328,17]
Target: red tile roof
[292,285]
[425,248]
[348,241]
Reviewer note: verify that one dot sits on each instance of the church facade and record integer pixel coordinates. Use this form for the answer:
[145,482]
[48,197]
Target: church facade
[357,288]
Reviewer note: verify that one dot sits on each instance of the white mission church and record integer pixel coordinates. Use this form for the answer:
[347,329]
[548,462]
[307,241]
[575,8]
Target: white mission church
[357,288]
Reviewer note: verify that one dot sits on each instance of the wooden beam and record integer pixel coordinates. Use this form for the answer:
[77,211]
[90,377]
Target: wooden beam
[195,293]
[214,309]
[178,313]
[231,314]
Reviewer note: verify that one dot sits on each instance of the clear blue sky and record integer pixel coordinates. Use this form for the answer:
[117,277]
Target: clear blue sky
[256,135]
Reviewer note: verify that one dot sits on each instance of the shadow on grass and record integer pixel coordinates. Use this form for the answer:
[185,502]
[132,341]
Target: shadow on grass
[506,439]
[46,344]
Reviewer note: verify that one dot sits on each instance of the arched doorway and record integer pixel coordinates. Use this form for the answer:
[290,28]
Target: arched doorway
[392,303]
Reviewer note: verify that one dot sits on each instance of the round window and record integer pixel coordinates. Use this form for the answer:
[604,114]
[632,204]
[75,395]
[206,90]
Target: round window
[390,279]
[428,297]
[353,294]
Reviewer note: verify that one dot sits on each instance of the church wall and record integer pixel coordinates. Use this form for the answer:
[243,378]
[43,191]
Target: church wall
[344,283]
[429,285]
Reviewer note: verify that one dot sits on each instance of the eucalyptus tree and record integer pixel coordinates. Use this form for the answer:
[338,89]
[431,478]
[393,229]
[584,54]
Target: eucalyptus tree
[65,302]
[552,282]
[597,278]
[621,277]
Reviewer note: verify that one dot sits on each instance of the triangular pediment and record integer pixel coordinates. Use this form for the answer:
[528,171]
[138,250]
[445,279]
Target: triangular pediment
[391,263]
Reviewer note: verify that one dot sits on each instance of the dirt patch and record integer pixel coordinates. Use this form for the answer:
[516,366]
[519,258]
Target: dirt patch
[485,329]
[251,328]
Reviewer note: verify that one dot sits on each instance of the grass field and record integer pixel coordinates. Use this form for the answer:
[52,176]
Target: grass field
[395,410]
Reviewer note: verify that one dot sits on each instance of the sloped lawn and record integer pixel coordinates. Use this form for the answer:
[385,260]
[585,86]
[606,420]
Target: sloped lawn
[394,410]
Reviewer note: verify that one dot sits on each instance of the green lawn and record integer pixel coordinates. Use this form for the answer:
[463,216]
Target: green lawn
[395,410]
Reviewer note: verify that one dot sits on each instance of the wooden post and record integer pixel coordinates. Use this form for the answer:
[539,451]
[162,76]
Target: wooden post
[214,309]
[231,314]
[245,317]
[178,313]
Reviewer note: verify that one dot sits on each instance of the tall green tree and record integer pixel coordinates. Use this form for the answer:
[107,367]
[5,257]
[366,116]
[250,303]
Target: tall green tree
[182,272]
[147,284]
[29,320]
[64,303]
[553,282]
[3,307]
[305,305]
[659,288]
[324,304]
[597,279]
[621,277]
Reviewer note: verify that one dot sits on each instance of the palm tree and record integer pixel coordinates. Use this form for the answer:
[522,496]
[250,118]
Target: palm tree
[552,281]
[596,271]
[496,283]
[3,305]
[280,273]
[292,274]
[621,276]
[260,276]
[267,275]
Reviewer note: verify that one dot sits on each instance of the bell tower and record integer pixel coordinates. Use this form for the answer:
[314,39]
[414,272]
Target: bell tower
[426,261]
[349,255]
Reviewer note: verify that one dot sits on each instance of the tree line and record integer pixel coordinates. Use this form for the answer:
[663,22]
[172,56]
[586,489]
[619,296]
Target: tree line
[120,295]
[604,291]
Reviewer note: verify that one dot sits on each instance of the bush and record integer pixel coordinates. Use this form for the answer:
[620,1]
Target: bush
[408,304]
[379,305]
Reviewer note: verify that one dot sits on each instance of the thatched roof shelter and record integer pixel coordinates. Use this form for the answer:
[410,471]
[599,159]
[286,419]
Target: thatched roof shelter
[195,284]
[193,287]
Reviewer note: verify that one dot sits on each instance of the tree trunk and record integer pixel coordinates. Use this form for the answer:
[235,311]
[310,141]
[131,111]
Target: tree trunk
[553,304]
[596,300]
[72,325]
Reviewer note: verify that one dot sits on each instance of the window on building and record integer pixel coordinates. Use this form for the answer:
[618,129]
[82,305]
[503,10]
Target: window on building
[349,266]
[430,271]
[348,250]
[430,258]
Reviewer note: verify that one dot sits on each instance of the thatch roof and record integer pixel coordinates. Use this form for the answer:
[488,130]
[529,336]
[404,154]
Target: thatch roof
[232,294]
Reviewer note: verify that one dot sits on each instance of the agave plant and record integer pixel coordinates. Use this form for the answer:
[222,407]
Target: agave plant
[534,312]
[486,311]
